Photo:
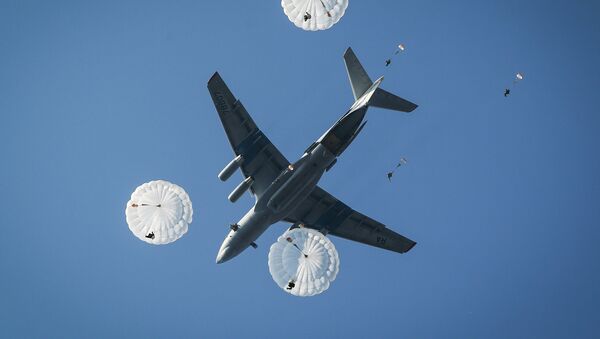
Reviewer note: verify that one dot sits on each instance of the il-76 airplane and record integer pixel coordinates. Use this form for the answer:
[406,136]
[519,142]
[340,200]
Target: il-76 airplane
[287,191]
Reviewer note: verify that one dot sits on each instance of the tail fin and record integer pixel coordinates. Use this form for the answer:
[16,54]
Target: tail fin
[359,79]
[361,83]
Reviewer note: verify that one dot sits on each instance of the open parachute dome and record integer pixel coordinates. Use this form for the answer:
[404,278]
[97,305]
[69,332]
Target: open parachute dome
[519,76]
[303,262]
[314,15]
[159,212]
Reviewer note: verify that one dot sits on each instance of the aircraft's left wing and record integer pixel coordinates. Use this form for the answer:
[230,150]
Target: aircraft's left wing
[262,160]
[323,212]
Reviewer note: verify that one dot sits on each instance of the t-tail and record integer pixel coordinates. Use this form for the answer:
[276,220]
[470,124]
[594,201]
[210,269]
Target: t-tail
[367,92]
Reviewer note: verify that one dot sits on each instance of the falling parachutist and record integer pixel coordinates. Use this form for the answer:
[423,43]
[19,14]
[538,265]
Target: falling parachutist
[403,161]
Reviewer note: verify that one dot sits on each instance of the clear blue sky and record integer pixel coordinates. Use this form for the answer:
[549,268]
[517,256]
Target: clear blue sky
[501,194]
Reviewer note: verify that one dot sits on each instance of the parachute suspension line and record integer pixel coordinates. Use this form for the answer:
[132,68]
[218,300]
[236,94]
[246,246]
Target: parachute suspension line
[299,250]
[399,48]
[325,8]
[403,161]
[151,205]
[305,255]
[136,205]
[518,78]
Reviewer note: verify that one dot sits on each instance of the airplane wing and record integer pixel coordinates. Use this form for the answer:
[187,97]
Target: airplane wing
[262,160]
[323,212]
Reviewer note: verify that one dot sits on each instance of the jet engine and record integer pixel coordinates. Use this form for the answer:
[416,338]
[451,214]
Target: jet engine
[231,168]
[240,189]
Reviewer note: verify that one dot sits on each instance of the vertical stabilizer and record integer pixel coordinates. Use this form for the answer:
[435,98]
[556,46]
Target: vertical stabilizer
[359,79]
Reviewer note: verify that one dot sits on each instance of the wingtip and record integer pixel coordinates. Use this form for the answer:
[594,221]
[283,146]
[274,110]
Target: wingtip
[348,51]
[411,109]
[410,247]
[215,76]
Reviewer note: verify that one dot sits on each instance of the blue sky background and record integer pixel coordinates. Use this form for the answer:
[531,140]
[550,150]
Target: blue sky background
[501,194]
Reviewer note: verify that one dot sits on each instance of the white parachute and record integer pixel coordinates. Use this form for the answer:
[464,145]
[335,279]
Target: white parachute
[400,49]
[159,212]
[313,15]
[303,262]
[519,76]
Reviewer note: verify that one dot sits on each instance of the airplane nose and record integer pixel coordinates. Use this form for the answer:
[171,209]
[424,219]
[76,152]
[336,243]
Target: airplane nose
[223,255]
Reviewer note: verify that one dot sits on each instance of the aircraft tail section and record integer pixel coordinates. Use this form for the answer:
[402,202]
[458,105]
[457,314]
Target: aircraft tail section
[359,79]
[362,88]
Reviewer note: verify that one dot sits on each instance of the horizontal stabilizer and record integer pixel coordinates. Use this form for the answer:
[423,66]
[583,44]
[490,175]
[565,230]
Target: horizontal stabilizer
[384,99]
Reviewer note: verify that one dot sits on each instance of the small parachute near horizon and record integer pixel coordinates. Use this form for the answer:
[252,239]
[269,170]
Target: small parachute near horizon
[400,49]
[159,212]
[303,262]
[518,78]
[402,162]
[314,15]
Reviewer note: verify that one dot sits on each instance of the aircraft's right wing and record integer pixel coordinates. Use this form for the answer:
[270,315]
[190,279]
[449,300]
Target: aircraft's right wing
[323,212]
[262,160]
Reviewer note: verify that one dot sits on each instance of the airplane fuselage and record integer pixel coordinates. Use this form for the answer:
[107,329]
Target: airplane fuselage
[293,185]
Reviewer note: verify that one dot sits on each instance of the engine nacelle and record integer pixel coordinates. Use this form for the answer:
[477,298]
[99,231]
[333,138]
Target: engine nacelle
[231,168]
[240,189]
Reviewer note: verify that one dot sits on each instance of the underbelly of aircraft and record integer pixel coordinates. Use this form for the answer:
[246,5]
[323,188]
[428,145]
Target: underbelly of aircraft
[295,190]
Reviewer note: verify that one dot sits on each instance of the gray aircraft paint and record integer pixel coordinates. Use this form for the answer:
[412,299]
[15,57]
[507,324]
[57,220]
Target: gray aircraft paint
[298,180]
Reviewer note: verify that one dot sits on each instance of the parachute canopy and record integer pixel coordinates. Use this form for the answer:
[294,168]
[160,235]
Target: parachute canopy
[159,212]
[519,76]
[399,49]
[303,262]
[313,15]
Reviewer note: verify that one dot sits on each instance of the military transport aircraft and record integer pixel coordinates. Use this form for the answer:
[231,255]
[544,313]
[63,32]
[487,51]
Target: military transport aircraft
[287,191]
